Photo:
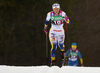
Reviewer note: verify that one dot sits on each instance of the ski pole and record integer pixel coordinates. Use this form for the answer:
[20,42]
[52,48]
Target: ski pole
[47,48]
[67,35]
[66,58]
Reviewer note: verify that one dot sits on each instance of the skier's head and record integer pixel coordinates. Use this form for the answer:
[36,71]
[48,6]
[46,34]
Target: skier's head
[56,8]
[74,46]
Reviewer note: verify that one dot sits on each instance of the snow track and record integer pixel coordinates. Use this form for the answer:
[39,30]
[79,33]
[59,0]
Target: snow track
[46,69]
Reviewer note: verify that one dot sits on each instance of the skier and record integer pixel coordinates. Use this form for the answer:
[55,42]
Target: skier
[72,55]
[56,32]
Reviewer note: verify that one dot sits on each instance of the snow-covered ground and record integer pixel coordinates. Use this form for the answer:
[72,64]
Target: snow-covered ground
[46,69]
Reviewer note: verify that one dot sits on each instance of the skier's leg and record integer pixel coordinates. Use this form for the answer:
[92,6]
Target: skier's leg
[53,53]
[62,47]
[52,38]
[69,63]
[75,63]
[61,44]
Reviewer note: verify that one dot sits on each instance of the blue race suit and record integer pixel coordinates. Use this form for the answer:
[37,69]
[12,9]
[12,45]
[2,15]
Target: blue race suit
[73,57]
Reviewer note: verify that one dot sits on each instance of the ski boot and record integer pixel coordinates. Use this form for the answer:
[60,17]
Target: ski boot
[63,62]
[52,63]
[62,56]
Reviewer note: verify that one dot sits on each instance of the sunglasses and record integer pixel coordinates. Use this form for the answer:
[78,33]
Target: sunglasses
[55,4]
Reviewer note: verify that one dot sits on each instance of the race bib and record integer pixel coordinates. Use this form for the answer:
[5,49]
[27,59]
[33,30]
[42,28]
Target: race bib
[73,55]
[57,20]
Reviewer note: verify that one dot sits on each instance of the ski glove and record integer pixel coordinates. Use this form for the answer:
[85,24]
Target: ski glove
[67,20]
[45,30]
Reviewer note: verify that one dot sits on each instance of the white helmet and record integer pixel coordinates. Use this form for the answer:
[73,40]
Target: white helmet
[55,5]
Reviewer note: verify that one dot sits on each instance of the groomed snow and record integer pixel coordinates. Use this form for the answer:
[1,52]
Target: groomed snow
[46,69]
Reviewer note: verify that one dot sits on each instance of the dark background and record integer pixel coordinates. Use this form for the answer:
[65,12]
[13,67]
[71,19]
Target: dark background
[23,42]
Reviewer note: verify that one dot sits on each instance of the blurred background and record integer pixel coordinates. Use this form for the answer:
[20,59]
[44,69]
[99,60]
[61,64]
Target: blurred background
[23,41]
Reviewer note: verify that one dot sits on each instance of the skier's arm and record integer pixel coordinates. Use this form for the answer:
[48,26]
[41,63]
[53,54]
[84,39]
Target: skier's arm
[80,57]
[67,53]
[66,18]
[46,21]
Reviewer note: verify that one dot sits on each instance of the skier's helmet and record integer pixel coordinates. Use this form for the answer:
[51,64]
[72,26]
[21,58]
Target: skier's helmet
[74,45]
[56,5]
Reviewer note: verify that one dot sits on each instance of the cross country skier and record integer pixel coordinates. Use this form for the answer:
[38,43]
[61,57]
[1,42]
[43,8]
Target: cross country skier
[56,33]
[73,55]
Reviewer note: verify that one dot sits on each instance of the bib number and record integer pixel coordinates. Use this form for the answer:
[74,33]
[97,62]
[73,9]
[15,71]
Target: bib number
[73,57]
[57,22]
